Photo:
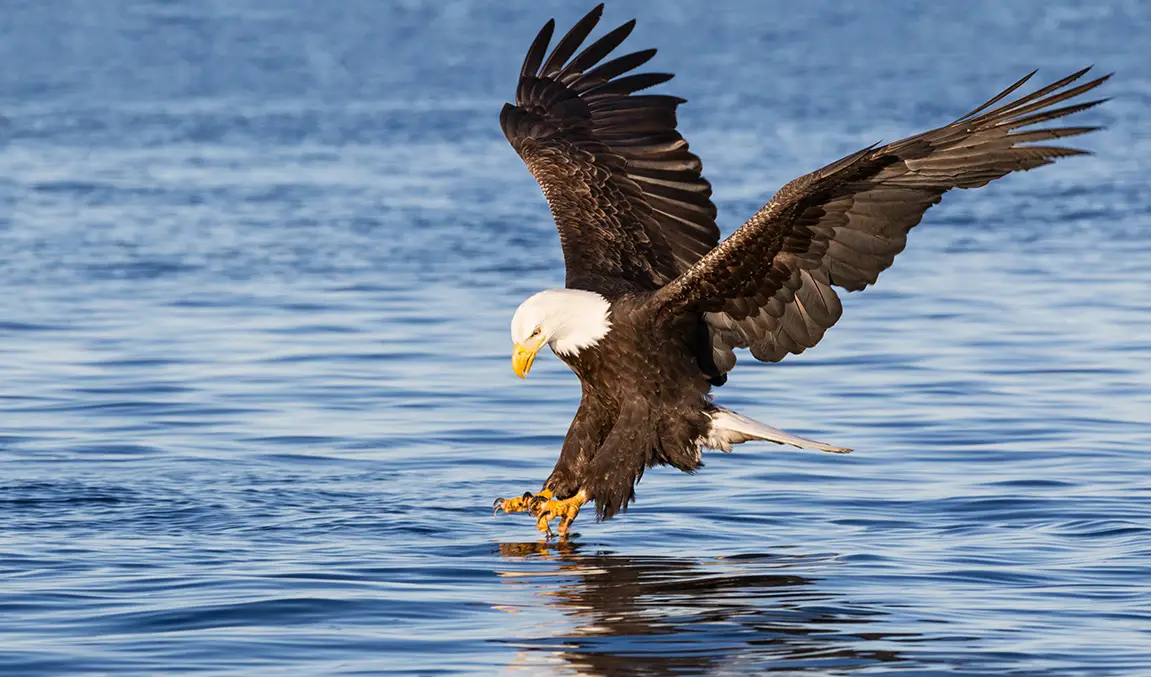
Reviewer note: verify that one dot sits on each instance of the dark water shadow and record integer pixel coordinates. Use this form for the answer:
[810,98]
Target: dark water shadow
[749,613]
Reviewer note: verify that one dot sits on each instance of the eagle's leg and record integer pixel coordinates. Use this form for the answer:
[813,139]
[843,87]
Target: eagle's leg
[519,503]
[565,510]
[545,506]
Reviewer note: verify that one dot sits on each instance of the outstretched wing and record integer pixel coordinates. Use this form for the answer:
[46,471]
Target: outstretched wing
[626,194]
[769,285]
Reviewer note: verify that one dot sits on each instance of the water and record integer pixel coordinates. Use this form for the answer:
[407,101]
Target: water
[259,260]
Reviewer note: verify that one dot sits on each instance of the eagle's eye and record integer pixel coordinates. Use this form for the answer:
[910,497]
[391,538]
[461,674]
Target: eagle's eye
[535,333]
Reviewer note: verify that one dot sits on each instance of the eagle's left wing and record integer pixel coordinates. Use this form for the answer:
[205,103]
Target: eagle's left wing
[626,193]
[769,285]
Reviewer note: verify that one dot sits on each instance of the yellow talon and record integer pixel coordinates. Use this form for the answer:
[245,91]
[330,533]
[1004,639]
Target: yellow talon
[519,503]
[547,509]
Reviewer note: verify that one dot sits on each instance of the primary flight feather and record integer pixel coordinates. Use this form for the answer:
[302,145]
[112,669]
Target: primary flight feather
[654,305]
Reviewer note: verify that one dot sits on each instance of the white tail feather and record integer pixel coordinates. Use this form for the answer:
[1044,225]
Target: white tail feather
[728,428]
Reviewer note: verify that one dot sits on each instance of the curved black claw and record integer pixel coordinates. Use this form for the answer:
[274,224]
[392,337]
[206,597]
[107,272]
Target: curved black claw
[536,504]
[497,506]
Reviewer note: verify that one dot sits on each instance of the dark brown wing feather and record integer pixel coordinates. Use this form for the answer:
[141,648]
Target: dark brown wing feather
[769,285]
[632,209]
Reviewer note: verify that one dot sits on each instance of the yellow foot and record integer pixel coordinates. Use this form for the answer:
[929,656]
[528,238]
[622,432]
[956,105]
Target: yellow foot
[520,503]
[544,508]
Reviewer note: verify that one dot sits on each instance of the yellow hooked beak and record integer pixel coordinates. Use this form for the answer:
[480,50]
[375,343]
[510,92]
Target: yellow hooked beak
[523,356]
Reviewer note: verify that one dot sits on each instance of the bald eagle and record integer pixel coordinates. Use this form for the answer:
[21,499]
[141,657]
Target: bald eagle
[654,304]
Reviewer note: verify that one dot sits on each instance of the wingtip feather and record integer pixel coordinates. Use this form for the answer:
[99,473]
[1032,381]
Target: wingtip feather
[569,43]
[538,49]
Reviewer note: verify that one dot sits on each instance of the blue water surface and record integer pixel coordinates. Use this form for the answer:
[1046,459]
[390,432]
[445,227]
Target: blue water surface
[259,258]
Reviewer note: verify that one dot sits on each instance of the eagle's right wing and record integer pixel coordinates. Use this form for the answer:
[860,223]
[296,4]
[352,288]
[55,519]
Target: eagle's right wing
[626,194]
[769,285]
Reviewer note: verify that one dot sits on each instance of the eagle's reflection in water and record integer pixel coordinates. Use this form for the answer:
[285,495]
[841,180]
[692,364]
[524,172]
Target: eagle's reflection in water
[678,615]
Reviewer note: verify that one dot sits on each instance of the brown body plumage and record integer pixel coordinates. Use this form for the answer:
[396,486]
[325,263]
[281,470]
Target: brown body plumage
[638,230]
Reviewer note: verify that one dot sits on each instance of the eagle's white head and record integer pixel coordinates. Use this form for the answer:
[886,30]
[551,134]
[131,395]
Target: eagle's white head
[568,320]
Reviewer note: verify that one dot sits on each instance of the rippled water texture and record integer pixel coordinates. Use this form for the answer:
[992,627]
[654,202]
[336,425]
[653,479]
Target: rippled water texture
[259,260]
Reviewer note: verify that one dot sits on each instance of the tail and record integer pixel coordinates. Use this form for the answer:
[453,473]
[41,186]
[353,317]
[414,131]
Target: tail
[728,428]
